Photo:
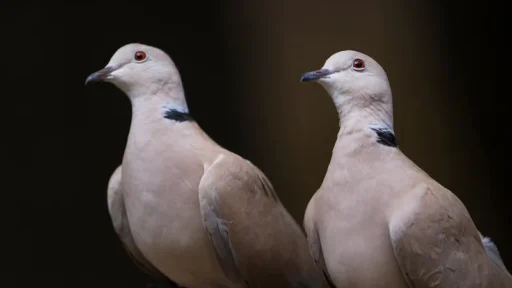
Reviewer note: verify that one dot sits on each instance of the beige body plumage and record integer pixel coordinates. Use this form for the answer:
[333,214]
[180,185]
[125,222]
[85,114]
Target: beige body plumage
[378,220]
[185,207]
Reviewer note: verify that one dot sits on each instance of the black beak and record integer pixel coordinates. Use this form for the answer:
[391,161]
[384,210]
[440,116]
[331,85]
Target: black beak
[100,75]
[315,75]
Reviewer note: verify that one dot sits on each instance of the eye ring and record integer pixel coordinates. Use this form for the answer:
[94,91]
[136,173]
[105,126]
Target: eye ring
[358,65]
[140,56]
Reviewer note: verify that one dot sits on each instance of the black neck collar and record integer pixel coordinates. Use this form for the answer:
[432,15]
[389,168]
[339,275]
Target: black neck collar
[178,116]
[385,136]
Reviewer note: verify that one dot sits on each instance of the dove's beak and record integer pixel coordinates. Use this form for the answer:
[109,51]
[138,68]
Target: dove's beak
[315,75]
[100,75]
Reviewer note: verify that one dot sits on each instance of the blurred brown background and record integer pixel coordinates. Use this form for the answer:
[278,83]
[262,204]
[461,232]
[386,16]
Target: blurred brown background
[241,62]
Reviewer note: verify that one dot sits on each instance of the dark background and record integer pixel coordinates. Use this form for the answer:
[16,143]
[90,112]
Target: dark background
[240,62]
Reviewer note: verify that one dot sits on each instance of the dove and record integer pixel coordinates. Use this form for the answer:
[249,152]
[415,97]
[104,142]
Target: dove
[187,208]
[379,220]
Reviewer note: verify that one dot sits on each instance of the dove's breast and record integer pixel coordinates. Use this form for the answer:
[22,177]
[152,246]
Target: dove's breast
[355,238]
[162,204]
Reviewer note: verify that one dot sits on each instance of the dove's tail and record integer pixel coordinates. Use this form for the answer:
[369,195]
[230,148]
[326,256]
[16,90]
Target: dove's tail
[492,252]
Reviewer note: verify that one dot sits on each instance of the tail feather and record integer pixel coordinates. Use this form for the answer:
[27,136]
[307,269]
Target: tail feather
[492,251]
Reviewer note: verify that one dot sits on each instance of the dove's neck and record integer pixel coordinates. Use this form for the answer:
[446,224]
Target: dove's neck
[357,114]
[160,124]
[365,121]
[151,119]
[154,108]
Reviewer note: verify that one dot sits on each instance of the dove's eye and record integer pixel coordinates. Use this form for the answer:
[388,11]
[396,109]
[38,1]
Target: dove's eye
[358,65]
[139,56]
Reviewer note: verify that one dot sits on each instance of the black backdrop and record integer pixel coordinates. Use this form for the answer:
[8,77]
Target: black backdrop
[61,140]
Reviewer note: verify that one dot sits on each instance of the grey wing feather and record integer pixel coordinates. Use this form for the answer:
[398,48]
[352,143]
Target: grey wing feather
[438,243]
[492,251]
[218,231]
[256,240]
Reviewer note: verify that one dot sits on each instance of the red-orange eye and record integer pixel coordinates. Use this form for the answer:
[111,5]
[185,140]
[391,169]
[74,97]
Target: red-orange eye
[140,56]
[358,64]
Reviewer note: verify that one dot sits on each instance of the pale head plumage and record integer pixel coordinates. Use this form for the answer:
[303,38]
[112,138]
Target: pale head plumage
[355,81]
[143,71]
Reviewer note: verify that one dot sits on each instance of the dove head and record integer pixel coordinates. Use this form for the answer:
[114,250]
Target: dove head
[142,71]
[352,79]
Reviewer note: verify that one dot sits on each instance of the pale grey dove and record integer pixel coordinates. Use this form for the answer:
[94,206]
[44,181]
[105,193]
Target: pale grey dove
[184,206]
[378,220]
